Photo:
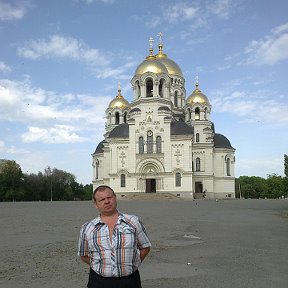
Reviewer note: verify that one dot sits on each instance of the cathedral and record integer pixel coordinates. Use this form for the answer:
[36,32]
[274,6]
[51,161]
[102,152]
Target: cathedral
[163,141]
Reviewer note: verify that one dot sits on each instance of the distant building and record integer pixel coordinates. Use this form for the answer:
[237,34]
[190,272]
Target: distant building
[163,142]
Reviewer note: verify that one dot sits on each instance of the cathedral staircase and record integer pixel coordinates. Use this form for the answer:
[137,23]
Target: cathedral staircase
[146,196]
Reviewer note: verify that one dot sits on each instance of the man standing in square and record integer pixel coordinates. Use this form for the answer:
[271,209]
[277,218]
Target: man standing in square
[114,244]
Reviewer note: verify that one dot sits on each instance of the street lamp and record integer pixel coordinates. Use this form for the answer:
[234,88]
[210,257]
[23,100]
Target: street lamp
[51,189]
[51,186]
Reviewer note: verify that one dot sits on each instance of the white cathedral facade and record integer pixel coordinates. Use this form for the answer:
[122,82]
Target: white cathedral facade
[163,141]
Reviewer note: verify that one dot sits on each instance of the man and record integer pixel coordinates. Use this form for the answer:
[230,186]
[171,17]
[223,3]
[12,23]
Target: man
[113,244]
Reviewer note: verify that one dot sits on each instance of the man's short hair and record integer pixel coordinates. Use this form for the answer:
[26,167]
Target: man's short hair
[101,188]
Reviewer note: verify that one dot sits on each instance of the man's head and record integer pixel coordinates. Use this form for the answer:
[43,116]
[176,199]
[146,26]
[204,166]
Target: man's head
[104,199]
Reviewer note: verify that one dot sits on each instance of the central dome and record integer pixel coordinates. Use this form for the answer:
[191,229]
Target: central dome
[151,64]
[172,67]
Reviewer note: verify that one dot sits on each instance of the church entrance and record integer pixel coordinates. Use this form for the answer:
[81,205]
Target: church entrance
[150,186]
[198,187]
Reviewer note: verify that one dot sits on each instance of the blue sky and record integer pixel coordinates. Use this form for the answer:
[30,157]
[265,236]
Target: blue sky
[60,63]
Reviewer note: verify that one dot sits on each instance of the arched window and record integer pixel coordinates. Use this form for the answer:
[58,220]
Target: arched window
[97,169]
[149,142]
[161,88]
[205,113]
[176,99]
[197,113]
[141,145]
[198,164]
[109,118]
[149,87]
[158,144]
[228,167]
[138,90]
[178,179]
[189,114]
[197,137]
[117,118]
[125,117]
[123,180]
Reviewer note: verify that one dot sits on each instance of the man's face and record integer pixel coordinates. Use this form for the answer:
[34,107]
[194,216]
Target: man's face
[106,202]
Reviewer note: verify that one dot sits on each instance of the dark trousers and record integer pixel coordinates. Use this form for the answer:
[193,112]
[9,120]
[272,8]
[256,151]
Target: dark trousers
[97,281]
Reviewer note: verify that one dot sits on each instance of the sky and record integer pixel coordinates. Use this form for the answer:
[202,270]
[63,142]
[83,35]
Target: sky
[61,61]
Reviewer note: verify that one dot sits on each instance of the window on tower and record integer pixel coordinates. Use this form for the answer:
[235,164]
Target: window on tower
[123,180]
[97,169]
[198,164]
[197,113]
[161,86]
[149,142]
[178,179]
[176,99]
[138,90]
[228,167]
[149,87]
[117,118]
[158,144]
[141,145]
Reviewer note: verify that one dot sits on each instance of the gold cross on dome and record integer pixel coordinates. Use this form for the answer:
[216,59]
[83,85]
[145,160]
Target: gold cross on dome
[151,40]
[160,35]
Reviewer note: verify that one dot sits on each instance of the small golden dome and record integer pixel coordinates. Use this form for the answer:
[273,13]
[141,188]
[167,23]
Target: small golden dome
[119,101]
[197,97]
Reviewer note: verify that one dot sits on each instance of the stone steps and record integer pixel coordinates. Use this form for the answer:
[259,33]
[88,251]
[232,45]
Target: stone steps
[146,196]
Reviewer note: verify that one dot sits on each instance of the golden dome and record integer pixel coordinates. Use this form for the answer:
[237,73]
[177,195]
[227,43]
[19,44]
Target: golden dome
[151,64]
[197,97]
[172,67]
[119,101]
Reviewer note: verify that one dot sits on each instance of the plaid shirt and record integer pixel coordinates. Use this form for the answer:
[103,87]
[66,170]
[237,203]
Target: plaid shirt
[116,258]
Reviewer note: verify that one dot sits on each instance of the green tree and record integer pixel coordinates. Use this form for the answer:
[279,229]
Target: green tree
[251,187]
[275,186]
[286,165]
[11,181]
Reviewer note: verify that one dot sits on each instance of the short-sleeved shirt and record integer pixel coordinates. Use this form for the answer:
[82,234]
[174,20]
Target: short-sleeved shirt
[116,258]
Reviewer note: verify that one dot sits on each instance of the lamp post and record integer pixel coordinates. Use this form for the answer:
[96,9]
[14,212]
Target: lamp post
[51,187]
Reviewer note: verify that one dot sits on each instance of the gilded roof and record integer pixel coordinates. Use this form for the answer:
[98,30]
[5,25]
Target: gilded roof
[151,64]
[172,67]
[197,97]
[119,101]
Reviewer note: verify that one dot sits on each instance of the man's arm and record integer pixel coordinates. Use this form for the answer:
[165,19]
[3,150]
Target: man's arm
[85,259]
[144,252]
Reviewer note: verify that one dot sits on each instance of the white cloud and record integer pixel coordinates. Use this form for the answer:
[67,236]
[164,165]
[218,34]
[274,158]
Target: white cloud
[88,2]
[181,12]
[52,118]
[264,165]
[222,8]
[2,145]
[57,46]
[8,12]
[4,68]
[252,107]
[272,49]
[11,150]
[57,134]
[152,21]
